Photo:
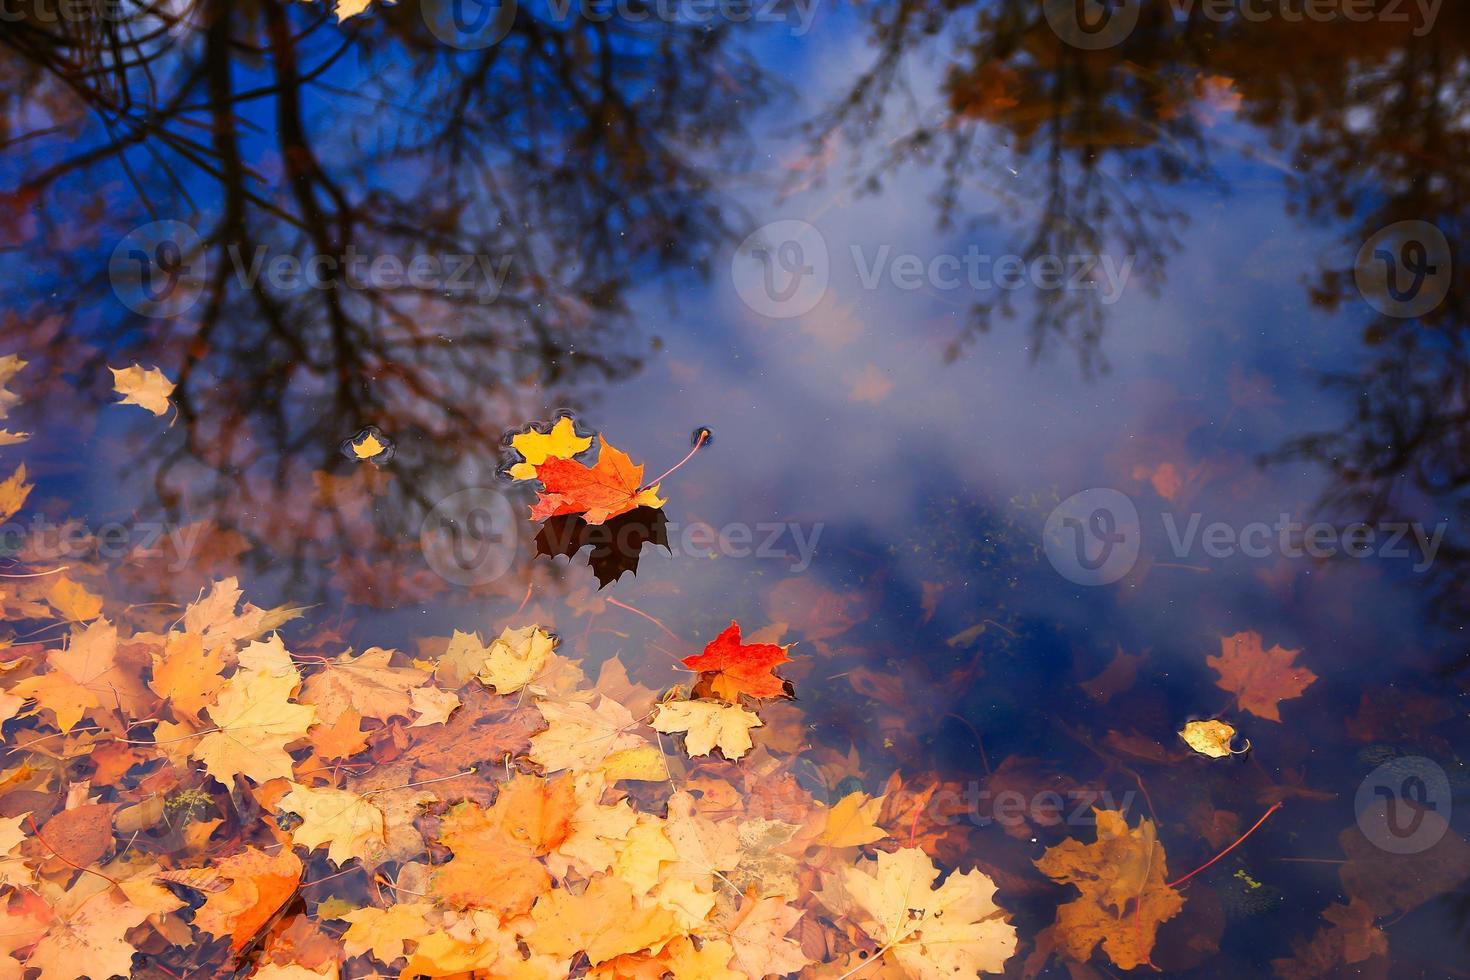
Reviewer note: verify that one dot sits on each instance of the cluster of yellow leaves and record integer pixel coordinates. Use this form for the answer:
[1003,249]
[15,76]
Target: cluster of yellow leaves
[517,820]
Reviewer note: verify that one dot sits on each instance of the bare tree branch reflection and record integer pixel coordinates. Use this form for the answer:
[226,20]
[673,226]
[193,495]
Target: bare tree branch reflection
[574,158]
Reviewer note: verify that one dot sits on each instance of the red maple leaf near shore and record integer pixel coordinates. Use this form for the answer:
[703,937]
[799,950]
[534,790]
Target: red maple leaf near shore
[741,668]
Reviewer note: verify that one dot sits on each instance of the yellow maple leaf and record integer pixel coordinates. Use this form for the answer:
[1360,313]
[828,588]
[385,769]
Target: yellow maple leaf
[368,684]
[384,931]
[148,388]
[603,921]
[595,831]
[582,737]
[515,658]
[709,962]
[347,823]
[186,674]
[490,869]
[256,720]
[13,493]
[933,933]
[852,821]
[73,601]
[432,705]
[562,442]
[757,934]
[86,676]
[88,936]
[641,859]
[1124,896]
[368,446]
[708,725]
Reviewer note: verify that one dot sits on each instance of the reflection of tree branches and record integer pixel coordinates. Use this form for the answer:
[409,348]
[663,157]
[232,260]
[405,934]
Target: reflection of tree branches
[1047,131]
[1374,122]
[578,152]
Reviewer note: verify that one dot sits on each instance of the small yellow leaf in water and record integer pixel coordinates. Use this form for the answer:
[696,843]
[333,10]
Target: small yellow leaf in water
[562,442]
[145,387]
[367,446]
[13,493]
[1211,738]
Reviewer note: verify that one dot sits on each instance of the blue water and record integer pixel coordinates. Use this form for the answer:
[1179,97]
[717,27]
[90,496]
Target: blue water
[897,447]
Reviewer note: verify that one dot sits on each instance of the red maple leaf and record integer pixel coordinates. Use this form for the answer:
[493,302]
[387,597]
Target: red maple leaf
[741,668]
[611,487]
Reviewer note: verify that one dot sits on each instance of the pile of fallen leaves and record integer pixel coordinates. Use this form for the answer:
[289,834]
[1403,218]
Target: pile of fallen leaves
[505,816]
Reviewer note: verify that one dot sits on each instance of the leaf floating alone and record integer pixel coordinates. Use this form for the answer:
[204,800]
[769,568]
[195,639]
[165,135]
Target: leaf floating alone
[369,446]
[1259,678]
[1211,738]
[148,388]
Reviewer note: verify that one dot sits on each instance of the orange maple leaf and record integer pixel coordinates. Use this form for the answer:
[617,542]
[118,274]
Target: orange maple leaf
[741,668]
[1259,678]
[1125,896]
[613,486]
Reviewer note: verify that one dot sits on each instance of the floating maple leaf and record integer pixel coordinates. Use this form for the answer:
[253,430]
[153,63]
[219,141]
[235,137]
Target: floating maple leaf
[1125,896]
[148,388]
[611,486]
[708,725]
[741,668]
[950,931]
[1259,678]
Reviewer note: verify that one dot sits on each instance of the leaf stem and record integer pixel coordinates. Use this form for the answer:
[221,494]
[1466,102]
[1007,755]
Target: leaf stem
[698,445]
[1179,881]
